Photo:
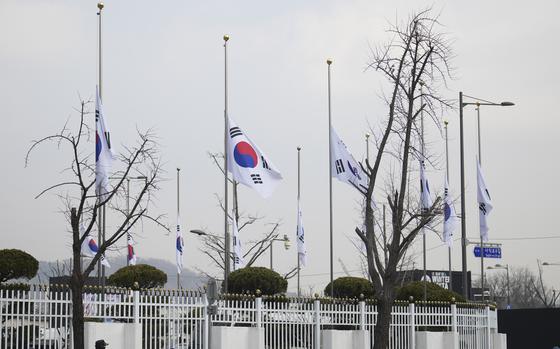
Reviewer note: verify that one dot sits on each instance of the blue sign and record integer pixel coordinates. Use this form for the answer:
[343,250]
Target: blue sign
[489,252]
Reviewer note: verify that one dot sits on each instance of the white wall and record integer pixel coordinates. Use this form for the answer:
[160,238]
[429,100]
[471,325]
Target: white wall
[236,337]
[118,335]
[336,339]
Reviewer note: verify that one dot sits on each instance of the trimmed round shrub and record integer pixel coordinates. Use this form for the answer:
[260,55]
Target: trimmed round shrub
[434,292]
[16,264]
[251,279]
[351,287]
[145,275]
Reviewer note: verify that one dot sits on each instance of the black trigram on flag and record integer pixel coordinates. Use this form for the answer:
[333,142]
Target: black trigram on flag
[234,132]
[264,163]
[256,178]
[339,166]
[482,208]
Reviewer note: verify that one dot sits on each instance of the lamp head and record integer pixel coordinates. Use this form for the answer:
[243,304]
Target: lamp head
[507,104]
[198,232]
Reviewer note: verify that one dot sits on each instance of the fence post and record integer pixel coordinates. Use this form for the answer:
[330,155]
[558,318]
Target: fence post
[362,315]
[136,306]
[206,338]
[317,322]
[258,312]
[412,312]
[454,324]
[487,309]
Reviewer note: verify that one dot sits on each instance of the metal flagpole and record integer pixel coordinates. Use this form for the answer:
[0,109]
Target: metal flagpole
[329,62]
[178,215]
[127,213]
[463,210]
[101,224]
[423,209]
[481,240]
[299,208]
[226,233]
[447,172]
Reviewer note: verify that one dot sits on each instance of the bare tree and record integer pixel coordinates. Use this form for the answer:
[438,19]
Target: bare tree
[417,55]
[525,288]
[77,191]
[213,245]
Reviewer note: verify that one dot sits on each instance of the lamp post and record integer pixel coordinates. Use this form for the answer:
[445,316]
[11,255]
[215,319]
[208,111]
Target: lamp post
[287,244]
[506,267]
[478,102]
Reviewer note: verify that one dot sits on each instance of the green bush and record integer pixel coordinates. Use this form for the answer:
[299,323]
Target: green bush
[433,292]
[351,287]
[16,264]
[145,275]
[251,279]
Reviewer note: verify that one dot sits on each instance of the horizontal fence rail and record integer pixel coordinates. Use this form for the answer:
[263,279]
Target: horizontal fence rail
[41,317]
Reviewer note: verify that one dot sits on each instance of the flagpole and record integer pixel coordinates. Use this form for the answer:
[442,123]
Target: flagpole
[447,173]
[329,62]
[299,208]
[127,213]
[226,234]
[178,214]
[101,224]
[423,209]
[481,239]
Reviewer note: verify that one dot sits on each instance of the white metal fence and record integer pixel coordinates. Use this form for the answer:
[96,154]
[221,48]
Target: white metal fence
[41,318]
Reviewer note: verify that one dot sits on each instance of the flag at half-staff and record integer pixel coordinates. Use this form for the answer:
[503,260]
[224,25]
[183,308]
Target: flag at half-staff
[248,164]
[344,167]
[484,203]
[449,216]
[425,195]
[179,244]
[238,261]
[90,248]
[130,248]
[103,152]
[301,249]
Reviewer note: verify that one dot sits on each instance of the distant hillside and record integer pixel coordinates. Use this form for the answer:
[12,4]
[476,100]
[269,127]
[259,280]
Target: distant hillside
[189,279]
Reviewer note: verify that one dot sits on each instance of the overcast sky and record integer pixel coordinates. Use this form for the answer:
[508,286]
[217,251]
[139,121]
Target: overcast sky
[163,69]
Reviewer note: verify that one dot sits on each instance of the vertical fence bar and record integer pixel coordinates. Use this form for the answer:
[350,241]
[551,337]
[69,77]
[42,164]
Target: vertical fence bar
[488,335]
[258,311]
[362,315]
[412,322]
[454,325]
[317,323]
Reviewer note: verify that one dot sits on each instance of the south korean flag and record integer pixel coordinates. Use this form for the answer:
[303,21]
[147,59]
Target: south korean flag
[344,167]
[248,164]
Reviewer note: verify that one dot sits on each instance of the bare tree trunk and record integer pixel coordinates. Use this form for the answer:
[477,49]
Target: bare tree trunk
[77,285]
[382,327]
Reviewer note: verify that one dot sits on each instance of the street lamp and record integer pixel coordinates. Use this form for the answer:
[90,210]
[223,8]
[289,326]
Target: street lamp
[462,104]
[546,264]
[506,267]
[203,233]
[287,244]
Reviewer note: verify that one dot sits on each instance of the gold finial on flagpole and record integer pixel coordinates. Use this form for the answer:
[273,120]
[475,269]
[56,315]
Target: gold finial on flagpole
[100,6]
[226,37]
[329,61]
